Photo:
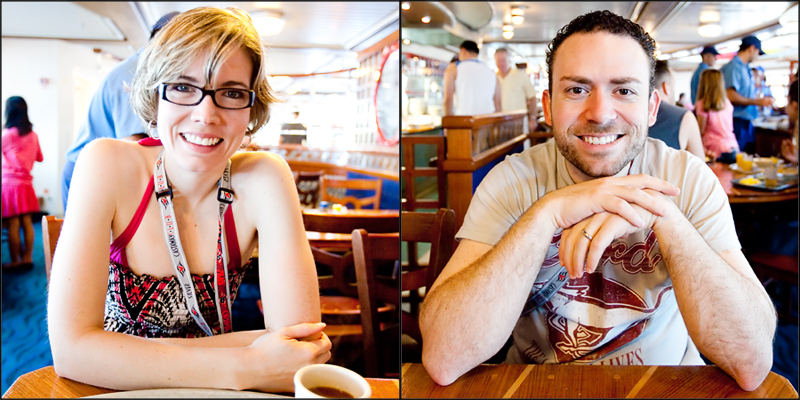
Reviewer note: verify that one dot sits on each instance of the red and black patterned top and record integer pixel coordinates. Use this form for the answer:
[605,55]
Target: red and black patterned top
[147,306]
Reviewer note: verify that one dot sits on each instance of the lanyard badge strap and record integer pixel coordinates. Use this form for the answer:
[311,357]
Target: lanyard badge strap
[164,198]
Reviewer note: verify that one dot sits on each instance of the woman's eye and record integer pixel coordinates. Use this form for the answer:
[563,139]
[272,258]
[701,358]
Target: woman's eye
[234,94]
[182,88]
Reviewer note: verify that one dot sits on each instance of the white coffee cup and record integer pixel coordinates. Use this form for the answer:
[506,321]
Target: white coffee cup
[329,375]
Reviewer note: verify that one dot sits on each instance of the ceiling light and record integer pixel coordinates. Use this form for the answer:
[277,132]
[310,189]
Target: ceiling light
[520,10]
[507,28]
[405,5]
[709,16]
[508,34]
[517,19]
[267,23]
[426,19]
[709,30]
[406,42]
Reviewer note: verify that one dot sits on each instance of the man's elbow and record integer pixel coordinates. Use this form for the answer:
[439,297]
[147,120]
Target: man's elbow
[438,371]
[753,378]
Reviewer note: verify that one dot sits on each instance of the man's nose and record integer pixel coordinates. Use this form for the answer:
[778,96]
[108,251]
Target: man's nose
[600,108]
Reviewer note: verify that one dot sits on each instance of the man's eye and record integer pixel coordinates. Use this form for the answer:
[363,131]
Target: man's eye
[625,92]
[576,90]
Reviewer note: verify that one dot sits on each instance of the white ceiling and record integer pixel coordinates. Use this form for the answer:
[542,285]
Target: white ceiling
[316,37]
[672,24]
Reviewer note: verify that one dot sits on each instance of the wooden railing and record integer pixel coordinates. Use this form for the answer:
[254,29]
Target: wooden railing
[383,165]
[410,171]
[473,142]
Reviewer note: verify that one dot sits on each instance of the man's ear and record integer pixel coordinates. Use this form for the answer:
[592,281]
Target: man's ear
[548,118]
[652,107]
[665,88]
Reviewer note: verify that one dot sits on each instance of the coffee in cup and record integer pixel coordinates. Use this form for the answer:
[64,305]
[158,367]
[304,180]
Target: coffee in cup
[329,381]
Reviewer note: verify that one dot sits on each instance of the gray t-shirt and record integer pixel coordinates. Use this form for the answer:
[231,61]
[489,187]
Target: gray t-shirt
[625,313]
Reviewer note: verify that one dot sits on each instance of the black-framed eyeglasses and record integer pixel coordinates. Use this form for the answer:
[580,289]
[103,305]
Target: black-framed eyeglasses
[184,94]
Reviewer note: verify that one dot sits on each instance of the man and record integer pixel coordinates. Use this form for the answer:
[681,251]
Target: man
[762,90]
[517,90]
[741,91]
[709,55]
[664,271]
[471,85]
[110,113]
[675,126]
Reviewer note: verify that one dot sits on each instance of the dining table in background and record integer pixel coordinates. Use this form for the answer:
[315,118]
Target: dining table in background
[588,381]
[44,383]
[739,195]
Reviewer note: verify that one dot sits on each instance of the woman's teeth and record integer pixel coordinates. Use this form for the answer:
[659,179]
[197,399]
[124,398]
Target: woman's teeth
[599,140]
[199,141]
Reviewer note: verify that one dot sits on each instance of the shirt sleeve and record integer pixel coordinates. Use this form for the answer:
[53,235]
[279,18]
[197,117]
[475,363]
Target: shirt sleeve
[528,88]
[733,78]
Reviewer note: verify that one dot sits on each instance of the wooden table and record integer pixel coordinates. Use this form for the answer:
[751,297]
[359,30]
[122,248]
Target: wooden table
[588,381]
[45,383]
[739,194]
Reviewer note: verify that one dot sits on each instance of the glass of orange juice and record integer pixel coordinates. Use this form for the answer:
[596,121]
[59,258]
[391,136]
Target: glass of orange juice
[744,161]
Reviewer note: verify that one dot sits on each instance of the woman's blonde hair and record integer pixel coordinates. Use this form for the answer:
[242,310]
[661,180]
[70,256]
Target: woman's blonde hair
[210,32]
[711,90]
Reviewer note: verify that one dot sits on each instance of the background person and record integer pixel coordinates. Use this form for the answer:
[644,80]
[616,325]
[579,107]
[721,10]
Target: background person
[664,276]
[789,146]
[709,55]
[517,91]
[470,87]
[20,150]
[676,126]
[186,212]
[110,114]
[684,102]
[715,115]
[741,91]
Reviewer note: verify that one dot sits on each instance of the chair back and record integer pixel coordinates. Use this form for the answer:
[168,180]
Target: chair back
[380,345]
[334,191]
[438,229]
[308,187]
[51,228]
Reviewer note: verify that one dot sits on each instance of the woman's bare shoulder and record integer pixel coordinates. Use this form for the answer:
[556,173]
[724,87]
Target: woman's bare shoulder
[259,165]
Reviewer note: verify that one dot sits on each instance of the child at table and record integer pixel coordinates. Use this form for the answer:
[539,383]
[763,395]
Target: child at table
[186,210]
[715,114]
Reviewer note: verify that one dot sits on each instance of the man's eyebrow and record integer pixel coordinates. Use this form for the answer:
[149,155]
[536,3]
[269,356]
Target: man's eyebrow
[587,81]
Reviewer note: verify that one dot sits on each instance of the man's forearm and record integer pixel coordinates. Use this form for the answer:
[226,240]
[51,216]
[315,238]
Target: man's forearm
[468,317]
[729,316]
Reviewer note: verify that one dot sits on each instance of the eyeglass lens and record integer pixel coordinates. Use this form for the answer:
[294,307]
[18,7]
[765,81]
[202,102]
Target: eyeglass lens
[185,94]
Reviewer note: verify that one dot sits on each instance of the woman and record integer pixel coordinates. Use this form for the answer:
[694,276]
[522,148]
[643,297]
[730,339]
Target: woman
[789,146]
[153,311]
[20,150]
[715,114]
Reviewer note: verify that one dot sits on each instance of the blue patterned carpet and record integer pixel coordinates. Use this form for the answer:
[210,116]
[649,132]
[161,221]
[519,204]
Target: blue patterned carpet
[25,345]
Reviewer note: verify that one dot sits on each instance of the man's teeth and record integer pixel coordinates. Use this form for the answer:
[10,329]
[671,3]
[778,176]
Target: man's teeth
[599,140]
[199,141]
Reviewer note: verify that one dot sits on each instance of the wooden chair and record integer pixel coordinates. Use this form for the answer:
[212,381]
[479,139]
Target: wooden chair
[438,229]
[51,228]
[329,187]
[339,305]
[308,187]
[380,342]
[771,267]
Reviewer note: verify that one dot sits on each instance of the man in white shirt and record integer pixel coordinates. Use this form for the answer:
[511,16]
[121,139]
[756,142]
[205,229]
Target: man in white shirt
[517,91]
[470,87]
[600,246]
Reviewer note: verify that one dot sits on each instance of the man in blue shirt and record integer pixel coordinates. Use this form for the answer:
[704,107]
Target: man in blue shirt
[709,55]
[110,113]
[741,91]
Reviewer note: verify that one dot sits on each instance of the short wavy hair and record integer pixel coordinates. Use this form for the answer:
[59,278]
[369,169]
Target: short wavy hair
[205,31]
[603,21]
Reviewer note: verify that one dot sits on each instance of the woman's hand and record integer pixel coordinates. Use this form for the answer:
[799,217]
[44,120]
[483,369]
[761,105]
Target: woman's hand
[789,151]
[274,357]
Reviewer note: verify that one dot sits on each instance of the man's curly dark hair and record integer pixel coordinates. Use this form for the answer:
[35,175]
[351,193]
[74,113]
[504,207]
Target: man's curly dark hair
[603,21]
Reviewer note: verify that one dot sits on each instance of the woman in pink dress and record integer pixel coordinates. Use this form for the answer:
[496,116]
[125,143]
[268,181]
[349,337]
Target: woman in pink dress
[715,114]
[20,150]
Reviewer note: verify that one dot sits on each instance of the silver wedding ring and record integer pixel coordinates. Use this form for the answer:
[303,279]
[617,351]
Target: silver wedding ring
[586,234]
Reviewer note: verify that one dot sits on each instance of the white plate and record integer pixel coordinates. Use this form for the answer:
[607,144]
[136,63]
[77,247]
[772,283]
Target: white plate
[735,168]
[186,393]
